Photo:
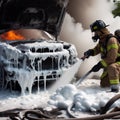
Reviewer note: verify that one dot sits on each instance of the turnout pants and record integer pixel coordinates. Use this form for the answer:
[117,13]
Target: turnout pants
[110,75]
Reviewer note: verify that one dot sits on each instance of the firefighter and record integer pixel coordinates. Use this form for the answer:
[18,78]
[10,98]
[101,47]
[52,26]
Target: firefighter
[109,48]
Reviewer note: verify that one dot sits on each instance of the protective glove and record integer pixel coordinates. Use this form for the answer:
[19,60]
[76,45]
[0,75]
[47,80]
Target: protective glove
[115,88]
[88,53]
[97,67]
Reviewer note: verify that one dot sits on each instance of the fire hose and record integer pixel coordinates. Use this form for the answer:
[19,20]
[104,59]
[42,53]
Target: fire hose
[41,115]
[38,114]
[109,104]
[83,77]
[30,115]
[103,115]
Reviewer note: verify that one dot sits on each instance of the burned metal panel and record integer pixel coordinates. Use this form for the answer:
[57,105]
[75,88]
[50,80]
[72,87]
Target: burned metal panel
[45,15]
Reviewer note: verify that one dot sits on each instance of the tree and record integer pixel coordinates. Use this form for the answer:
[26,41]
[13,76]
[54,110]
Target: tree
[116,11]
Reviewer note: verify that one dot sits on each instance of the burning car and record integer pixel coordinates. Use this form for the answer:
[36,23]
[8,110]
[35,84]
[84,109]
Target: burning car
[26,61]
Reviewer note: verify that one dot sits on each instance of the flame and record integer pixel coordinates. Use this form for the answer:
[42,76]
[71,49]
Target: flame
[12,35]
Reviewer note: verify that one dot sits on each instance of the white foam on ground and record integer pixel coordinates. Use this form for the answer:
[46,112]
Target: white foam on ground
[88,97]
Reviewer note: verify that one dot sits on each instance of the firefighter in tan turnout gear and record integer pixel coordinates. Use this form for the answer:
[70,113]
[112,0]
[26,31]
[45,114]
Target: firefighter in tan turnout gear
[109,48]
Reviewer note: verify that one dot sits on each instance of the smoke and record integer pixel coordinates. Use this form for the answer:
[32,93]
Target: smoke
[75,28]
[86,11]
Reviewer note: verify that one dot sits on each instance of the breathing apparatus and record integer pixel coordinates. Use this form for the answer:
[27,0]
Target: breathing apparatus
[95,38]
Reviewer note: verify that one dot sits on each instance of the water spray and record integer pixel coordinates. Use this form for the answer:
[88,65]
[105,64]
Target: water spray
[83,77]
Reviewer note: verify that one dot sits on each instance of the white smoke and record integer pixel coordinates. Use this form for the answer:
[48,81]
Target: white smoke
[86,11]
[75,28]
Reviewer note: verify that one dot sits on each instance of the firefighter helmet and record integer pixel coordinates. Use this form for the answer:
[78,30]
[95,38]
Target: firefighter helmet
[117,32]
[98,25]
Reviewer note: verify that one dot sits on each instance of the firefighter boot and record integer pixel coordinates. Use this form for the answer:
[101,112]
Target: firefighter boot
[114,88]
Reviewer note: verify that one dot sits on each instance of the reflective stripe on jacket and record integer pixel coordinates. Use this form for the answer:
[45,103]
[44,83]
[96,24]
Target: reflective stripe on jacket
[109,54]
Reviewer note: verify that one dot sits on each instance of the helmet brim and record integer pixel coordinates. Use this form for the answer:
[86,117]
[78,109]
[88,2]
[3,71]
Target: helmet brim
[94,30]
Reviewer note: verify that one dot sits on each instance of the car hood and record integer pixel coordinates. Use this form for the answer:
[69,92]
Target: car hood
[45,15]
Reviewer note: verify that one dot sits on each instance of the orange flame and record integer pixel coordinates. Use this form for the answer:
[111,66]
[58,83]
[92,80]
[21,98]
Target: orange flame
[11,35]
